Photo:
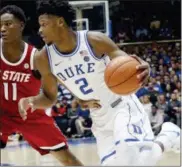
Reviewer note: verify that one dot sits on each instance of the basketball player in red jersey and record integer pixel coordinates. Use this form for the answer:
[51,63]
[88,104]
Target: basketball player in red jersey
[20,79]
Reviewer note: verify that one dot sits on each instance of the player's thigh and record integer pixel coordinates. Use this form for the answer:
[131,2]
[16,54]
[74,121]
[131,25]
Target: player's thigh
[130,132]
[44,135]
[7,127]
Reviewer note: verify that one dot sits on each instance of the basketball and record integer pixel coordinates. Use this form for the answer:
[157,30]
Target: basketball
[121,75]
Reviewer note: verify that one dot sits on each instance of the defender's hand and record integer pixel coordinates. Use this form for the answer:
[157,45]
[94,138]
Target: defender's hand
[144,70]
[23,105]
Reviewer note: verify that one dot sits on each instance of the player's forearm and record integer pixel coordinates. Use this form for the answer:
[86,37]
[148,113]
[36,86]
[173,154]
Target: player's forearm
[41,101]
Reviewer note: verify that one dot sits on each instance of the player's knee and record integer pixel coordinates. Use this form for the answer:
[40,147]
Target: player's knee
[117,161]
[2,144]
[65,157]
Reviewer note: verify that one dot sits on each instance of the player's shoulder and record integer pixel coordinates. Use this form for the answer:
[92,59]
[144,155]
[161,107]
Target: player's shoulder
[30,46]
[95,36]
[41,54]
[98,39]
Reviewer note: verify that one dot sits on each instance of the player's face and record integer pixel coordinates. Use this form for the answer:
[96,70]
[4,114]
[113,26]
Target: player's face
[11,28]
[49,28]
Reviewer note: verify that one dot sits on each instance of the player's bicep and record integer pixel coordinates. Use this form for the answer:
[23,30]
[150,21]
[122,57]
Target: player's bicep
[49,86]
[103,45]
[49,82]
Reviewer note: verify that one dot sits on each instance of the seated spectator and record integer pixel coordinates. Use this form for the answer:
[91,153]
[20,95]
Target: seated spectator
[63,92]
[168,91]
[178,86]
[141,33]
[155,27]
[147,104]
[161,103]
[165,31]
[156,119]
[174,109]
[121,37]
[72,117]
[156,86]
[59,113]
[83,123]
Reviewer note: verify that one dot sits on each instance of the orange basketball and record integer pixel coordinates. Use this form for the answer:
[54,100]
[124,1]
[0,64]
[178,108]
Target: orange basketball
[121,75]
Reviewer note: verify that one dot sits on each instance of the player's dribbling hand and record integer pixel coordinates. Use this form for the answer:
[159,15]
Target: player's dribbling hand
[87,104]
[144,69]
[23,105]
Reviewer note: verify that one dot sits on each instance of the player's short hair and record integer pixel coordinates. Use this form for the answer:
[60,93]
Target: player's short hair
[14,10]
[58,8]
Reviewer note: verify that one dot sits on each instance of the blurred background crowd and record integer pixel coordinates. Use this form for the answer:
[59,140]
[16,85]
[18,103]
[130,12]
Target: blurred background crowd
[145,20]
[152,31]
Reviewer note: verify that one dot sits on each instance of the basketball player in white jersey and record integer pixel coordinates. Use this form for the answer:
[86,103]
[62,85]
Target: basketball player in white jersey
[78,60]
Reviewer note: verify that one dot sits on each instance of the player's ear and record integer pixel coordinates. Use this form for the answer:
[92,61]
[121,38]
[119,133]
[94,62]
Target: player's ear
[22,26]
[60,21]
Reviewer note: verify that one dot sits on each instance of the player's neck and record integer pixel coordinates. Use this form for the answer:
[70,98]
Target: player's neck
[12,51]
[68,42]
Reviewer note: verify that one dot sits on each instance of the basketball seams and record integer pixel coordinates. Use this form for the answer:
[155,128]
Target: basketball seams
[121,73]
[123,81]
[115,70]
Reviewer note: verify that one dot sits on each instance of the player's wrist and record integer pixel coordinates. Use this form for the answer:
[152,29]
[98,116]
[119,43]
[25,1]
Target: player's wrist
[31,101]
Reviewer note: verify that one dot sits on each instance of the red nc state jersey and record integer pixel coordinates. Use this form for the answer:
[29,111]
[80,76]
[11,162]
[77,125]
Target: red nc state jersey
[17,81]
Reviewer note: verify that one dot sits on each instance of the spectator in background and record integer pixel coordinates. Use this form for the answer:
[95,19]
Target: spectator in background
[59,113]
[63,92]
[121,37]
[156,86]
[72,117]
[162,106]
[156,119]
[83,123]
[174,108]
[155,27]
[142,91]
[168,91]
[147,104]
[141,33]
[165,31]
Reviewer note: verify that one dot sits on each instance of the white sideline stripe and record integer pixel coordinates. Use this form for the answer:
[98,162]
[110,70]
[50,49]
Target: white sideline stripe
[54,147]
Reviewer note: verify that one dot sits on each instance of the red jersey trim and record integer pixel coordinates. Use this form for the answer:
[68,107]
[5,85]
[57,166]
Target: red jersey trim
[32,58]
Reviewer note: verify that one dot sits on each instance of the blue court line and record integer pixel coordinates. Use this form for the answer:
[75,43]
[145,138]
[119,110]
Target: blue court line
[6,164]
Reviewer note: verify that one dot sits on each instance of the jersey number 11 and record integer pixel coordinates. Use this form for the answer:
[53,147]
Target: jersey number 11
[7,92]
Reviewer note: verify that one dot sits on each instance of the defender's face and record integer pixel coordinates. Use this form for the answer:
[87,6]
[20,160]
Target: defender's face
[11,27]
[49,28]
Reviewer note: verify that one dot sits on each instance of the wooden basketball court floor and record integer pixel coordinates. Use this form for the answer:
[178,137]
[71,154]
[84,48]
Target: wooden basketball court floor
[21,154]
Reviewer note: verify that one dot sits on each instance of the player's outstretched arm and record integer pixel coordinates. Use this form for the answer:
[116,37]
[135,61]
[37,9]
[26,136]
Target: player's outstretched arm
[48,95]
[102,45]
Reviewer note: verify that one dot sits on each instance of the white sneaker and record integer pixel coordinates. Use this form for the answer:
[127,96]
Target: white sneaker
[13,137]
[170,137]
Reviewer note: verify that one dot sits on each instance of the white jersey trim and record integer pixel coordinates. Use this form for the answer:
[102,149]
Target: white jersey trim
[49,58]
[32,58]
[54,147]
[20,61]
[89,47]
[75,50]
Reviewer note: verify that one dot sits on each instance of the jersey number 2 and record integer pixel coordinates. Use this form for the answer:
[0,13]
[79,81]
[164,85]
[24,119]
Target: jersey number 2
[14,92]
[84,86]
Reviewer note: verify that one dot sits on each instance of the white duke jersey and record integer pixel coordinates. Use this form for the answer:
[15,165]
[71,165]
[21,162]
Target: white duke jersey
[81,71]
